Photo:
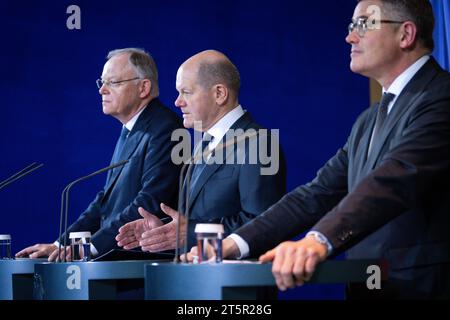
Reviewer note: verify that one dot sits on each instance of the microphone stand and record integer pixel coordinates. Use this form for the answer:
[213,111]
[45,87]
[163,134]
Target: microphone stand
[65,204]
[20,174]
[180,193]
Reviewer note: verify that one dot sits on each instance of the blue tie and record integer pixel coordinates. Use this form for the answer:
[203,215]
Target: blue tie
[120,144]
[198,167]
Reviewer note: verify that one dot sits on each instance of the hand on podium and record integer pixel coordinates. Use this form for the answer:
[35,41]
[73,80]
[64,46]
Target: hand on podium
[37,251]
[294,262]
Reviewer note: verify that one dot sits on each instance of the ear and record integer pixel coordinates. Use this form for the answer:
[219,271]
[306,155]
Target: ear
[221,94]
[408,35]
[145,88]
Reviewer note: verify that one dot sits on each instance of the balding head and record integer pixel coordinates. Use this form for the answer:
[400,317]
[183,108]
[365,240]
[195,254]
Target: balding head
[213,68]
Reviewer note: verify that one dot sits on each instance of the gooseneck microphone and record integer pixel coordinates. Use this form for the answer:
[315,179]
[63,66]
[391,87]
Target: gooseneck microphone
[180,195]
[16,176]
[65,204]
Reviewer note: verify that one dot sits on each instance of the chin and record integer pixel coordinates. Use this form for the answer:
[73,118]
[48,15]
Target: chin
[188,124]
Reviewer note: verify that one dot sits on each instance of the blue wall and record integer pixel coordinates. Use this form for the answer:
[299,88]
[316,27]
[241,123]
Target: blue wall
[292,56]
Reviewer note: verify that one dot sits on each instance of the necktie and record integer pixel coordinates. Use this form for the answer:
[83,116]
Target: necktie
[381,117]
[120,143]
[200,160]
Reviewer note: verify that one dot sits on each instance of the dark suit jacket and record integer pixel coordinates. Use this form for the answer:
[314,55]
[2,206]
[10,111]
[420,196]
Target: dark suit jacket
[235,193]
[147,180]
[393,205]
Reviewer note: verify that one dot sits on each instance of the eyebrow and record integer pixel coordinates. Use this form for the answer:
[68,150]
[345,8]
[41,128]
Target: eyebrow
[360,17]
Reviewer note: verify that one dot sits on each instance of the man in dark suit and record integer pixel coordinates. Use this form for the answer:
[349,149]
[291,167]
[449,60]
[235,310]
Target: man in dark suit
[227,188]
[129,90]
[385,194]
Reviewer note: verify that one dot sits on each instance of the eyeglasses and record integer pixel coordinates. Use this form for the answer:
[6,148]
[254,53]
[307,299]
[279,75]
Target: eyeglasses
[112,84]
[362,26]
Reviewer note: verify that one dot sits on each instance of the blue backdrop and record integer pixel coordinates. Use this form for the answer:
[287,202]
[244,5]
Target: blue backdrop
[442,32]
[294,66]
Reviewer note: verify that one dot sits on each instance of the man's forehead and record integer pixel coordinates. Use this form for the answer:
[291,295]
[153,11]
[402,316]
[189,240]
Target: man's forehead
[115,66]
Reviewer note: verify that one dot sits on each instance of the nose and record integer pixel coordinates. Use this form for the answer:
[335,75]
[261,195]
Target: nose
[103,89]
[179,102]
[352,37]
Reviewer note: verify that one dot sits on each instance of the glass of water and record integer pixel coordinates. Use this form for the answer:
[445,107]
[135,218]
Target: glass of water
[5,246]
[80,245]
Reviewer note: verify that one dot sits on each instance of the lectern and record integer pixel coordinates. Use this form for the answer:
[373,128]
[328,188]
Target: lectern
[237,280]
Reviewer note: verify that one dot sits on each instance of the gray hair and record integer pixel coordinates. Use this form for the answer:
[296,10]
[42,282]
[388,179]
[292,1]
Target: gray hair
[219,71]
[143,63]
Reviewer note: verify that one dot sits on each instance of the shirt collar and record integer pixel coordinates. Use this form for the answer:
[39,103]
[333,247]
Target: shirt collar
[220,128]
[130,124]
[402,80]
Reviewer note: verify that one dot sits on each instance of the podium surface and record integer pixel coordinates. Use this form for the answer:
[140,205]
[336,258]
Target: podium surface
[16,278]
[90,280]
[237,280]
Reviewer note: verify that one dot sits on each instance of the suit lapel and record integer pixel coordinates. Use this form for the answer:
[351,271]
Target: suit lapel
[131,143]
[212,167]
[410,97]
[361,154]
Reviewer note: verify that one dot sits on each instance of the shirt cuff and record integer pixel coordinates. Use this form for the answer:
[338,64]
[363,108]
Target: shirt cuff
[244,249]
[319,237]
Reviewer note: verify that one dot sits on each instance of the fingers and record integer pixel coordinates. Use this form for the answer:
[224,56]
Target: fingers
[125,235]
[130,245]
[268,256]
[27,251]
[127,227]
[160,246]
[165,233]
[277,264]
[169,211]
[36,251]
[144,213]
[293,263]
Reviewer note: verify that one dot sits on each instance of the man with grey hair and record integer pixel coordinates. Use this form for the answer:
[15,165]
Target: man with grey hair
[232,191]
[129,90]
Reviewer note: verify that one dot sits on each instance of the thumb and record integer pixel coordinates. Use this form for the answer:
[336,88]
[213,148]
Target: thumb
[144,213]
[169,211]
[268,256]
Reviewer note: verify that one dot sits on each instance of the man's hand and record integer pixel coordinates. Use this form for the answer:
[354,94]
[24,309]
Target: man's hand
[37,251]
[164,237]
[295,262]
[54,255]
[229,250]
[131,233]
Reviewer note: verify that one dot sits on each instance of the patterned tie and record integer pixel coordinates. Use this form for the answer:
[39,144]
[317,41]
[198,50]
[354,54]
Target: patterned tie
[381,117]
[200,162]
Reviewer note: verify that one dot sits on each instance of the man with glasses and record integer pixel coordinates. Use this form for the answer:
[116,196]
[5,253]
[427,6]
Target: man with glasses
[129,90]
[385,194]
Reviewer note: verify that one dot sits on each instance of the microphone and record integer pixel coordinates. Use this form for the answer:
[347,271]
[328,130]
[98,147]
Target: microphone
[20,174]
[65,203]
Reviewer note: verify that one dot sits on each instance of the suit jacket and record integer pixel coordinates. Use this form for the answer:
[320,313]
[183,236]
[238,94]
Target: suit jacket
[149,178]
[234,192]
[393,204]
